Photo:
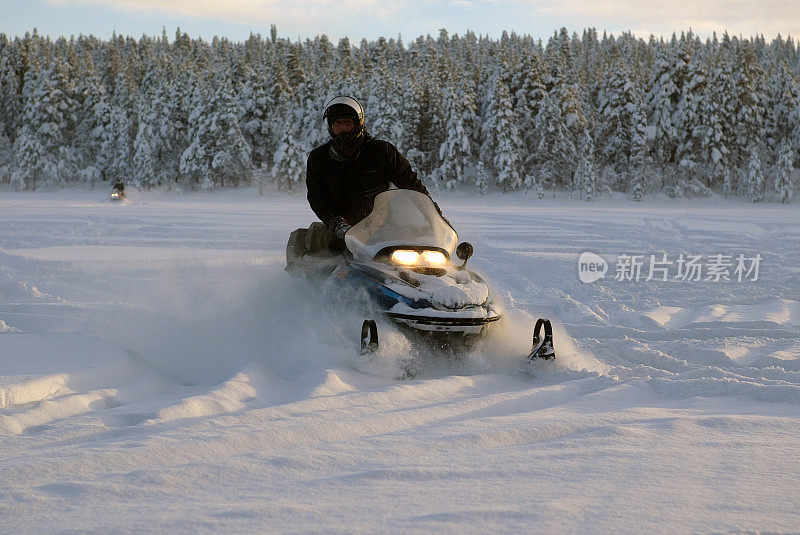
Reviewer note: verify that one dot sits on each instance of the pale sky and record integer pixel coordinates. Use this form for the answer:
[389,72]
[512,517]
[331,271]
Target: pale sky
[370,19]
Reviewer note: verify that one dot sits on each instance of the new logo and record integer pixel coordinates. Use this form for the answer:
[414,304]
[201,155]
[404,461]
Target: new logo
[591,267]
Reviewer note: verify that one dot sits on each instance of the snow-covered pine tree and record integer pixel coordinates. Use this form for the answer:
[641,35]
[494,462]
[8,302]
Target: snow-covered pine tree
[502,146]
[193,159]
[784,181]
[621,122]
[748,102]
[482,177]
[155,138]
[5,159]
[310,95]
[29,159]
[283,108]
[585,175]
[383,104]
[145,150]
[755,175]
[231,154]
[729,181]
[782,92]
[665,91]
[218,154]
[322,56]
[313,129]
[641,164]
[556,149]
[560,49]
[507,160]
[179,88]
[93,124]
[288,169]
[679,187]
[539,190]
[343,60]
[569,95]
[689,120]
[46,122]
[118,144]
[412,118]
[794,126]
[434,75]
[256,105]
[456,151]
[425,152]
[10,91]
[565,93]
[527,102]
[289,154]
[715,126]
[69,161]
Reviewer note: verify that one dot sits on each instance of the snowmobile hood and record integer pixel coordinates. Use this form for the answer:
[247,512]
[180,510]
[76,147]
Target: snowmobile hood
[400,218]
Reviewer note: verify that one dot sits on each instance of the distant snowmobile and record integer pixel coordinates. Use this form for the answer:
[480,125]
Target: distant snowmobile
[118,192]
[401,255]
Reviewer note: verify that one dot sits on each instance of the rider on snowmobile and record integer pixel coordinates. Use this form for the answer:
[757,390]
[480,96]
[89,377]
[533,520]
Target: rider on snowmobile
[345,174]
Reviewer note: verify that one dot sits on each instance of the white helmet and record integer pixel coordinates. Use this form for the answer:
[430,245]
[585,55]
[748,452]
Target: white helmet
[340,107]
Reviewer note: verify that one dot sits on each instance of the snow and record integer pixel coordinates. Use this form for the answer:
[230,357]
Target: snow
[778,311]
[160,372]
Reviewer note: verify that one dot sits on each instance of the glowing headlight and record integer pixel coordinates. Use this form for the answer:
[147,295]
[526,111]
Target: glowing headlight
[405,257]
[434,258]
[413,258]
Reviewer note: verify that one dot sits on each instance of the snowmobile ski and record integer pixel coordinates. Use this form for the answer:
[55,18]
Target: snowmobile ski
[369,337]
[542,346]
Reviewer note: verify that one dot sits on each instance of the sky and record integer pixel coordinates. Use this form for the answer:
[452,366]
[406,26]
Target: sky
[370,19]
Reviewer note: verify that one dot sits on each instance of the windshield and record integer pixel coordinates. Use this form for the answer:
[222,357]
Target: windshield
[400,217]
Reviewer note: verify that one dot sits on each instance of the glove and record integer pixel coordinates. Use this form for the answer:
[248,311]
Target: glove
[340,228]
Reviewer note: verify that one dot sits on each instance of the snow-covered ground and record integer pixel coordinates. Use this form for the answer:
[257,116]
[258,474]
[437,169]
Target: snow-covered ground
[159,371]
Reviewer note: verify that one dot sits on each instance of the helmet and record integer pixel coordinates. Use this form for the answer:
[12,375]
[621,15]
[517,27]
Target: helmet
[340,107]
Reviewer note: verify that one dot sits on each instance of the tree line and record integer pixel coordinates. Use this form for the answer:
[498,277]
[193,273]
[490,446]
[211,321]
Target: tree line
[589,113]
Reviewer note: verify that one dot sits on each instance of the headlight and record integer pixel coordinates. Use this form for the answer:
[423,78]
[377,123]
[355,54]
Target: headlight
[405,257]
[434,258]
[413,258]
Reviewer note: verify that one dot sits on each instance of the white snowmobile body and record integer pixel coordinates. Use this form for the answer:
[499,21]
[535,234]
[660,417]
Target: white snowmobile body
[401,255]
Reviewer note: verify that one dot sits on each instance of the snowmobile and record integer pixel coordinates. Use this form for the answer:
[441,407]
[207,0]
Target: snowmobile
[117,192]
[401,254]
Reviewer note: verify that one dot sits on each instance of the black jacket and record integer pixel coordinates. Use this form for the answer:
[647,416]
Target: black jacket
[347,189]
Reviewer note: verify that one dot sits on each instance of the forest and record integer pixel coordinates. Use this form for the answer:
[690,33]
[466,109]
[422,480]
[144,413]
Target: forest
[588,114]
